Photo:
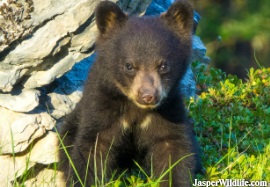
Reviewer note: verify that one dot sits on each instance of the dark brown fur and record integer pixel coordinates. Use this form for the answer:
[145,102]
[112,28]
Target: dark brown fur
[135,114]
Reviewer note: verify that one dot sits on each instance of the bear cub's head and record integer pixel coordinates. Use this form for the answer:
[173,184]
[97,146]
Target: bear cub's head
[144,57]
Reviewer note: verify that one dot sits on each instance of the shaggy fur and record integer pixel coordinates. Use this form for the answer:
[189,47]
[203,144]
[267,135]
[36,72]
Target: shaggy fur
[131,107]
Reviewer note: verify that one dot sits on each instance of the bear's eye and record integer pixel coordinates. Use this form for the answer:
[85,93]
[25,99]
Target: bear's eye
[164,67]
[129,68]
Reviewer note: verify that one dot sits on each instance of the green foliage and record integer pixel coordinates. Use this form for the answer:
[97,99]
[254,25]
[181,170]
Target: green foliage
[252,15]
[244,28]
[235,19]
[232,120]
[206,77]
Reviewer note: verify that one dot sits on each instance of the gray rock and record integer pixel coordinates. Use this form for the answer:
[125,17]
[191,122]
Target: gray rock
[12,168]
[46,55]
[188,84]
[199,51]
[19,130]
[134,6]
[44,151]
[20,100]
[63,100]
[46,177]
[9,75]
[158,6]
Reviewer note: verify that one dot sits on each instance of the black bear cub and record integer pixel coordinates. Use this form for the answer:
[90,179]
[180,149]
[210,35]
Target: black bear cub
[131,108]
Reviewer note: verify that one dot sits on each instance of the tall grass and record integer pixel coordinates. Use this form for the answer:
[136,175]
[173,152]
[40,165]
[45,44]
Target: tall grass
[124,179]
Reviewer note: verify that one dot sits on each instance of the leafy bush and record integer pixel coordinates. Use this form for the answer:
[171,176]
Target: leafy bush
[232,121]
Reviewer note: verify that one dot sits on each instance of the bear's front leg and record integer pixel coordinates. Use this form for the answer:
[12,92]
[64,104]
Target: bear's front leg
[92,160]
[169,148]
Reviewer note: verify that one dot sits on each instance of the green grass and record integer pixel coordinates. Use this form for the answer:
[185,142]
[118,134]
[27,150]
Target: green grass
[231,119]
[137,177]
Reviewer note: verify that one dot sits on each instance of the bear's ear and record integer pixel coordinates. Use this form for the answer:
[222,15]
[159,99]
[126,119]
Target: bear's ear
[109,16]
[180,16]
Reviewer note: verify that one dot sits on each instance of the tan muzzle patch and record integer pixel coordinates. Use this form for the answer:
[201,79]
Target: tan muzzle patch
[146,90]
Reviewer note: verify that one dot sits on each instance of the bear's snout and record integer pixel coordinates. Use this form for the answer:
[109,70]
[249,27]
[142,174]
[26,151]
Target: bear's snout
[147,89]
[148,96]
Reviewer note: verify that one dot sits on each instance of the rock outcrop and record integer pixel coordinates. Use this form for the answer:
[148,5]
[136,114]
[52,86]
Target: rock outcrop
[46,49]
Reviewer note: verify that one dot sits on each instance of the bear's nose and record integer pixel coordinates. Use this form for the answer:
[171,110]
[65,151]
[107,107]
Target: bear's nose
[147,96]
